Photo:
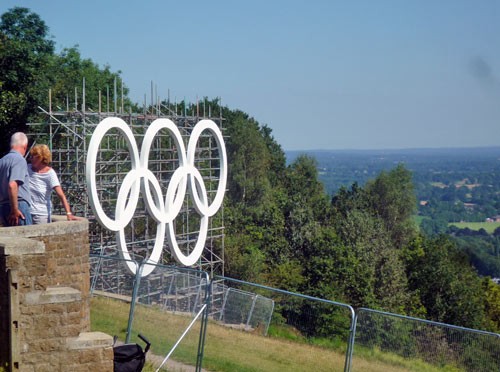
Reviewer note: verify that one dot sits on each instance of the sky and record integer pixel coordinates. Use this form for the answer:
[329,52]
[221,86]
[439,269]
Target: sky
[321,74]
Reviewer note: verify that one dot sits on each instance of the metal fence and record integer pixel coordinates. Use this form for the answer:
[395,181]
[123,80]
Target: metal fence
[334,335]
[111,275]
[240,309]
[287,316]
[177,298]
[422,341]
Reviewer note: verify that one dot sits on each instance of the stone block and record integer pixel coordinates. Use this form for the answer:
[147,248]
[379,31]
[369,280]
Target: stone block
[14,262]
[90,340]
[40,283]
[45,346]
[53,295]
[71,330]
[17,246]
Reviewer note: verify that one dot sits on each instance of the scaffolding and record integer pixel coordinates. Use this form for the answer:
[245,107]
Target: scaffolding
[67,132]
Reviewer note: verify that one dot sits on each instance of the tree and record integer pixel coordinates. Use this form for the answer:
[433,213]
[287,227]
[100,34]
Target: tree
[392,197]
[22,25]
[277,159]
[449,288]
[248,181]
[25,55]
[29,68]
[305,190]
[433,226]
[68,72]
[255,217]
[243,258]
[492,304]
[378,277]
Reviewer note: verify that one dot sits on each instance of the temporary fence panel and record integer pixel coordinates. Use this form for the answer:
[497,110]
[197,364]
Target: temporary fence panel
[171,310]
[425,343]
[111,275]
[319,329]
[169,306]
[116,287]
[246,310]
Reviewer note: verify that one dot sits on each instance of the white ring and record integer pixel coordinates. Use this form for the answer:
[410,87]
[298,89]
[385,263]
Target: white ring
[99,133]
[191,152]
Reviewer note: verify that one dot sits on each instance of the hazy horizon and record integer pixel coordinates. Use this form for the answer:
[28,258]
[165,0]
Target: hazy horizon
[400,149]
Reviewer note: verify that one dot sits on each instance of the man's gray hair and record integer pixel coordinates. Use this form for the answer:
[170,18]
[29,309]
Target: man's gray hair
[18,139]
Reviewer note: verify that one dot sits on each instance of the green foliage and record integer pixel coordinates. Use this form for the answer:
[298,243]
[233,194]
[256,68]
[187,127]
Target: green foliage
[248,181]
[285,332]
[68,71]
[11,105]
[482,252]
[392,197]
[492,304]
[378,275]
[24,26]
[243,258]
[433,226]
[287,275]
[449,288]
[29,67]
[25,56]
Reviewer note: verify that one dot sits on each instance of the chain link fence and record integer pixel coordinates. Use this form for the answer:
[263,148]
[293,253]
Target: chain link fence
[424,342]
[168,306]
[318,326]
[240,309]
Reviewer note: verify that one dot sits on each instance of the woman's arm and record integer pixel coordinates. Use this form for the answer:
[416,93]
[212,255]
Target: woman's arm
[60,193]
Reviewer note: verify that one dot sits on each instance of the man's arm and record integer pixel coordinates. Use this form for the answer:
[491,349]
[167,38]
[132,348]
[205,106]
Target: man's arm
[15,213]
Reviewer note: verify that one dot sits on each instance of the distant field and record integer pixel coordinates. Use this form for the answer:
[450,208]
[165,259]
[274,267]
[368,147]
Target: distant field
[417,219]
[488,226]
[439,184]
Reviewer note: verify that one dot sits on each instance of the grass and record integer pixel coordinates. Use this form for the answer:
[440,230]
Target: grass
[233,350]
[488,226]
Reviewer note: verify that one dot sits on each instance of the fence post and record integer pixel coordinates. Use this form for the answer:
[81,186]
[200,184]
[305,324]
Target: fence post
[224,303]
[269,320]
[251,312]
[204,322]
[137,281]
[350,345]
[96,273]
[195,305]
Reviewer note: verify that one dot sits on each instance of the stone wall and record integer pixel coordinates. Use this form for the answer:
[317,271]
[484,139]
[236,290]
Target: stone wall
[44,300]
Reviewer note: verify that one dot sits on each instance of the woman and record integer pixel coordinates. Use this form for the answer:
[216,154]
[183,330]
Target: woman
[43,179]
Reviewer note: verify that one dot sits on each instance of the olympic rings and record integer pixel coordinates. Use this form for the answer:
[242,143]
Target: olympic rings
[140,180]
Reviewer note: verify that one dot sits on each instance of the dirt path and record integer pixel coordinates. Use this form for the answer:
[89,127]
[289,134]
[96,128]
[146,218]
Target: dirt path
[172,365]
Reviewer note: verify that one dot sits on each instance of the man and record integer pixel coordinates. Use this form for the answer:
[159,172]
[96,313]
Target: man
[15,196]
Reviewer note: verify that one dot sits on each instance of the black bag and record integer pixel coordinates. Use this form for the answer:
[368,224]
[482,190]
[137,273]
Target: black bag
[130,357]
